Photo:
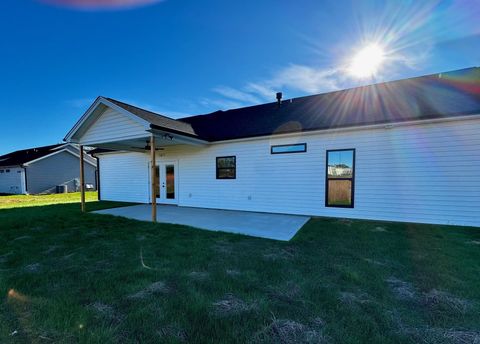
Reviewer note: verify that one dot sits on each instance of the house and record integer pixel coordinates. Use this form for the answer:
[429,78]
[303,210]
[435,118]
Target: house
[405,150]
[42,169]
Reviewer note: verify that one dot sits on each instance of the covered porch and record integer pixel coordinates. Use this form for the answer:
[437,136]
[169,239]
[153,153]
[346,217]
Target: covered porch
[263,225]
[113,126]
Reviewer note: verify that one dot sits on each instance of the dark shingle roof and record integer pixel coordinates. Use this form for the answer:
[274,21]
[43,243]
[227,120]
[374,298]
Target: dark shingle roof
[449,94]
[434,96]
[25,155]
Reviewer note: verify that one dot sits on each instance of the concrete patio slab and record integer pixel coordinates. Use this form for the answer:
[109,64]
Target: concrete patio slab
[264,225]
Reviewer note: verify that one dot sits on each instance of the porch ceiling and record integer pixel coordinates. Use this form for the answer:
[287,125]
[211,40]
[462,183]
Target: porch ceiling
[162,139]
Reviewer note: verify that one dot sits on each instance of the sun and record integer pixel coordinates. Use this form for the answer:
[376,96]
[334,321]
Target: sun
[367,61]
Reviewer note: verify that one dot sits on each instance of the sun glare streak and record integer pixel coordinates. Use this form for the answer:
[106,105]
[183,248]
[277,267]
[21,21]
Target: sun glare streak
[367,61]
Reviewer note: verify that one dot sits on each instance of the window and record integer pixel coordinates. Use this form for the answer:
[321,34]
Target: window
[1,171]
[284,149]
[226,167]
[7,171]
[339,188]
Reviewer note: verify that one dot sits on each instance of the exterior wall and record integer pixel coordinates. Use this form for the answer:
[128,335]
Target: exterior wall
[12,182]
[111,125]
[423,173]
[60,169]
[124,177]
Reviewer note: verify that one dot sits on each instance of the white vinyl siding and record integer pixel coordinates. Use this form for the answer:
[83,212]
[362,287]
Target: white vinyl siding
[12,182]
[112,125]
[426,173]
[124,177]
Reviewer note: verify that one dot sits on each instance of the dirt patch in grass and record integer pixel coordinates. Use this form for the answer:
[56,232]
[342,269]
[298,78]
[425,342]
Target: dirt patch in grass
[232,305]
[159,287]
[401,289]
[289,331]
[436,299]
[173,332]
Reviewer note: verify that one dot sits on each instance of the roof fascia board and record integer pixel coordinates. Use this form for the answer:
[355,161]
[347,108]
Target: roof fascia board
[122,138]
[90,111]
[185,137]
[353,128]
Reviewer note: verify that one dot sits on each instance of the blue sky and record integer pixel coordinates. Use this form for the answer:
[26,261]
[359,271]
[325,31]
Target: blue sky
[189,57]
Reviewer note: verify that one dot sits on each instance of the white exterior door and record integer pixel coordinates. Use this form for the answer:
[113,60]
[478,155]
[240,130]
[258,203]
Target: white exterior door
[167,174]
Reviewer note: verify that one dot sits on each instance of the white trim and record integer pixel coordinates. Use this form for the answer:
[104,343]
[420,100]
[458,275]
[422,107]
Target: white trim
[119,139]
[385,126]
[93,107]
[57,152]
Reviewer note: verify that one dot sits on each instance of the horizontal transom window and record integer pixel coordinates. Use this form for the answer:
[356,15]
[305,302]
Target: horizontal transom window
[285,149]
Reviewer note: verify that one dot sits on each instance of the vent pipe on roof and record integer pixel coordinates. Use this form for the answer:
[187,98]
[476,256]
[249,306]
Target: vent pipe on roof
[279,98]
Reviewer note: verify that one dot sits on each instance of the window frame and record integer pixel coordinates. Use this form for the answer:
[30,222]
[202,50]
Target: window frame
[352,179]
[304,144]
[226,168]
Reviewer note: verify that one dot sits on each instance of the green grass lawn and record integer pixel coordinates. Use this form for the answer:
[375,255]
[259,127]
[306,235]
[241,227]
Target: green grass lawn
[16,201]
[70,277]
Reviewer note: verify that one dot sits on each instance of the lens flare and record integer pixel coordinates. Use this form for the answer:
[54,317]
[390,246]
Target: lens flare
[367,61]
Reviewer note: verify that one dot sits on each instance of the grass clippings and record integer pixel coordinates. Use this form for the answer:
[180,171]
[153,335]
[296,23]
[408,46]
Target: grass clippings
[401,289]
[173,332]
[199,275]
[155,288]
[436,299]
[350,298]
[231,305]
[288,331]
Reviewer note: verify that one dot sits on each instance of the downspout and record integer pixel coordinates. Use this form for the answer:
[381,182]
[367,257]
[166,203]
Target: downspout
[98,178]
[25,178]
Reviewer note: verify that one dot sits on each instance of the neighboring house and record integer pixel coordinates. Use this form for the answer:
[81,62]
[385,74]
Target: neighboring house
[41,169]
[408,151]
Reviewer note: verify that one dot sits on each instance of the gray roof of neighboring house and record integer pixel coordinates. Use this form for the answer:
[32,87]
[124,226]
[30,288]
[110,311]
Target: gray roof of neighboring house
[23,156]
[450,94]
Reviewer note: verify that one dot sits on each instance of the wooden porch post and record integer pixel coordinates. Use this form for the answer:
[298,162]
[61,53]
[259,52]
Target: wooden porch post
[153,178]
[82,181]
